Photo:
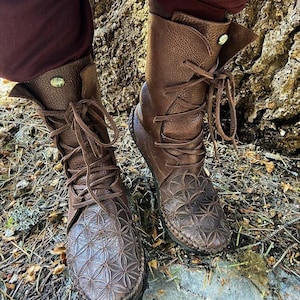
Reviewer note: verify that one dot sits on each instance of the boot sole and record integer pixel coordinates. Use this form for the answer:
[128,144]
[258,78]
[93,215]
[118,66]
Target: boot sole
[200,251]
[144,287]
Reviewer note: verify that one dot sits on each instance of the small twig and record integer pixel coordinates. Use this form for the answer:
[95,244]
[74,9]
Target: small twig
[283,255]
[269,249]
[42,285]
[29,256]
[289,234]
[10,263]
[17,288]
[268,237]
[238,236]
[21,249]
[281,227]
[237,264]
[290,271]
[38,280]
[6,295]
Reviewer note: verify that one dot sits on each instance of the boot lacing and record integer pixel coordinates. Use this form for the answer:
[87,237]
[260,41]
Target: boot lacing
[218,82]
[81,116]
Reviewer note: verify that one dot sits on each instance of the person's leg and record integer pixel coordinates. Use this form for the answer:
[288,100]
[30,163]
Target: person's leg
[104,251]
[40,36]
[184,80]
[212,10]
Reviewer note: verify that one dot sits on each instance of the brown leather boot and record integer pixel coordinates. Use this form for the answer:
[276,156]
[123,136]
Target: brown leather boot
[184,79]
[104,251]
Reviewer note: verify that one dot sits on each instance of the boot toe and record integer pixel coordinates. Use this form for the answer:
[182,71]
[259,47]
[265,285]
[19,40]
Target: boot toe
[217,238]
[105,256]
[198,237]
[194,216]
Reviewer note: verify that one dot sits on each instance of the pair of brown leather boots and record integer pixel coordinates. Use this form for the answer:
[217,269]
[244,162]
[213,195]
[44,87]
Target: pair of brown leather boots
[184,80]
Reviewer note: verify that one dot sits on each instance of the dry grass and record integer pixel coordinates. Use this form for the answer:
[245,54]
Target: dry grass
[258,189]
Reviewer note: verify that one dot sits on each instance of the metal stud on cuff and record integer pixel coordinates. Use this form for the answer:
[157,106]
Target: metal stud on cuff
[223,39]
[57,82]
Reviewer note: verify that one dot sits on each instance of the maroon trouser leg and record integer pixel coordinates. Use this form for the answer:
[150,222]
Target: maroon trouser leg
[211,10]
[39,35]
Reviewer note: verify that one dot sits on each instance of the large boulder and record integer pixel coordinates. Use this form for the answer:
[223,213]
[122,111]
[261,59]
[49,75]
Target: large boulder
[267,76]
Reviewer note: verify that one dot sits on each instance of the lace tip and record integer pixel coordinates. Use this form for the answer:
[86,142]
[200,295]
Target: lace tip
[235,147]
[216,150]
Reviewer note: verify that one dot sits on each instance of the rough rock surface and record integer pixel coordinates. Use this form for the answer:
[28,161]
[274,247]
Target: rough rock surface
[120,50]
[267,75]
[266,72]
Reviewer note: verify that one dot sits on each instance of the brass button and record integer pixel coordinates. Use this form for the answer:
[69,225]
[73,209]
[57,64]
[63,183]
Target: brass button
[57,82]
[223,39]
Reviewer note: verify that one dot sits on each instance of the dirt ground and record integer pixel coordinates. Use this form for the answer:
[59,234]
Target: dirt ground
[260,192]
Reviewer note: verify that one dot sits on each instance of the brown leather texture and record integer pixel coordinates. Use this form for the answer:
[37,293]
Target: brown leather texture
[104,250]
[183,82]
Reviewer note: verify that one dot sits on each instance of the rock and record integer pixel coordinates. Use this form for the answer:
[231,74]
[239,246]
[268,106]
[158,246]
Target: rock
[225,282]
[120,51]
[22,187]
[267,74]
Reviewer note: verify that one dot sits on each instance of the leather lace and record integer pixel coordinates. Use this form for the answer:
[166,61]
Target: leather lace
[219,82]
[88,141]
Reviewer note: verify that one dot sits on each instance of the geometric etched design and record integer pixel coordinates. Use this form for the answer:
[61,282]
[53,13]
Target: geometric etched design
[192,212]
[104,253]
